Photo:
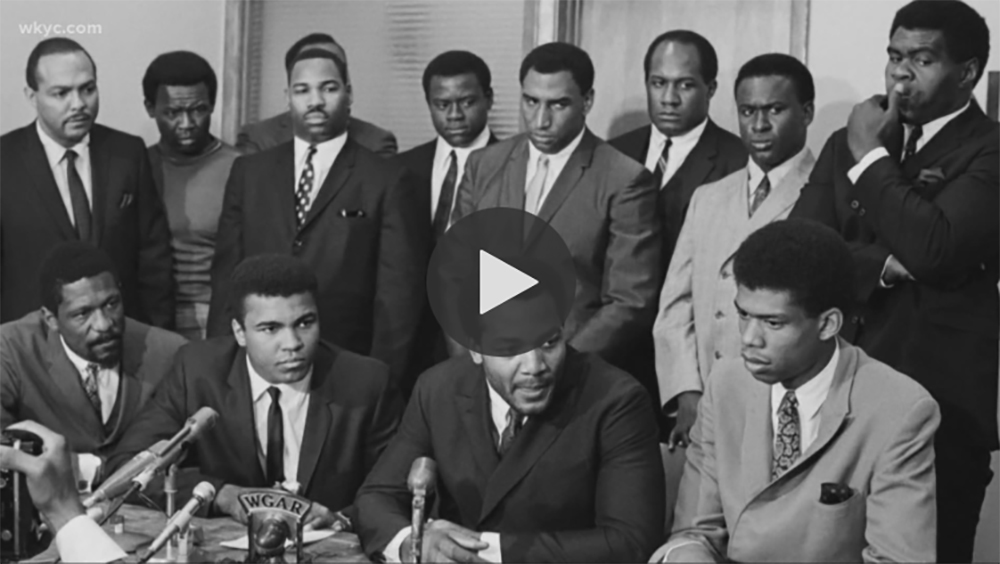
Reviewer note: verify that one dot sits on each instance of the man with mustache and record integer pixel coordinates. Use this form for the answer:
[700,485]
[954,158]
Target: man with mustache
[65,178]
[913,184]
[774,99]
[296,412]
[805,449]
[544,454]
[350,215]
[78,365]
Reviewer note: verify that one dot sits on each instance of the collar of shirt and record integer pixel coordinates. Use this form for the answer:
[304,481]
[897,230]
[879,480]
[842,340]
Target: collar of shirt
[775,175]
[810,395]
[326,153]
[680,147]
[498,411]
[291,394]
[557,162]
[441,163]
[56,152]
[932,127]
[107,379]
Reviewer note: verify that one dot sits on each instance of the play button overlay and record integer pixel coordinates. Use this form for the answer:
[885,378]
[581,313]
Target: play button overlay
[501,282]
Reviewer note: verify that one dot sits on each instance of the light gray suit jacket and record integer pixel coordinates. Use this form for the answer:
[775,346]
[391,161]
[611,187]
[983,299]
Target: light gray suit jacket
[696,323]
[603,205]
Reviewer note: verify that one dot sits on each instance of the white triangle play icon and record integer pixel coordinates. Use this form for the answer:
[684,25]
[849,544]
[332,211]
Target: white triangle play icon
[499,282]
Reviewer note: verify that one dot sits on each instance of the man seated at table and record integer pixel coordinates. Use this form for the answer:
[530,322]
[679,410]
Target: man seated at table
[543,453]
[293,410]
[78,365]
[807,449]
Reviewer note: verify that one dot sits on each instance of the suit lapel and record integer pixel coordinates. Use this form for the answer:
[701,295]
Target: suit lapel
[783,196]
[699,162]
[835,411]
[571,174]
[130,390]
[319,419]
[239,407]
[38,169]
[339,173]
[514,177]
[757,433]
[947,140]
[67,380]
[100,169]
[473,405]
[282,187]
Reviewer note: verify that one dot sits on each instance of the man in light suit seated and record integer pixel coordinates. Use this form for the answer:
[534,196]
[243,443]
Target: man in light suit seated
[807,449]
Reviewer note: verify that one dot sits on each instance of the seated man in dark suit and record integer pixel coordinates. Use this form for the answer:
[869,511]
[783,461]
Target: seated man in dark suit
[913,184]
[276,130]
[544,454]
[806,449]
[294,411]
[79,365]
[683,147]
[457,86]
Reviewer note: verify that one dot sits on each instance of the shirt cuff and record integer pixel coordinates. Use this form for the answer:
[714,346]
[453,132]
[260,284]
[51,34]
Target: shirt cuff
[866,161]
[666,556]
[492,552]
[83,540]
[881,278]
[392,549]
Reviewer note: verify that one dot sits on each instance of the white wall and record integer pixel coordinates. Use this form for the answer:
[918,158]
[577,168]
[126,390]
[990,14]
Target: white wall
[131,35]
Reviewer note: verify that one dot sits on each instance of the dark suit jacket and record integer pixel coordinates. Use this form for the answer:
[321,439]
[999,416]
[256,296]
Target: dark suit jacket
[129,222]
[717,154]
[430,347]
[603,207]
[937,214]
[353,411]
[276,130]
[370,267]
[39,382]
[583,481]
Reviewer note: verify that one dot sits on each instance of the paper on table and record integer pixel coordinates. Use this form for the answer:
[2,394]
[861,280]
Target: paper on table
[308,537]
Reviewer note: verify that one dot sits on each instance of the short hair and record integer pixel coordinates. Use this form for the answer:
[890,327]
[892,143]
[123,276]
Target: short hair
[179,68]
[52,46]
[69,262]
[966,35]
[779,64]
[454,63]
[556,57]
[708,60]
[269,275]
[807,259]
[314,53]
[311,39]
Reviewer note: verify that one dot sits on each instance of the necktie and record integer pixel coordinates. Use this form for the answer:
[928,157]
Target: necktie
[275,440]
[787,441]
[514,422]
[533,196]
[91,385]
[78,197]
[661,164]
[443,211]
[916,132]
[763,189]
[305,188]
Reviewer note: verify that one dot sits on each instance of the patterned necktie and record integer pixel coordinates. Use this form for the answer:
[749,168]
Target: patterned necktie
[275,440]
[660,172]
[514,423]
[787,439]
[91,385]
[443,211]
[78,197]
[763,189]
[533,196]
[305,188]
[916,132]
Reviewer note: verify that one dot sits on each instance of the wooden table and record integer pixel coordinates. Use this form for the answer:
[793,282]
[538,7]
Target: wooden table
[142,525]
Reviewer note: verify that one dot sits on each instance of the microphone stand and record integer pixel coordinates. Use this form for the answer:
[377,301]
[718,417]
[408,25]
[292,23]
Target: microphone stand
[170,488]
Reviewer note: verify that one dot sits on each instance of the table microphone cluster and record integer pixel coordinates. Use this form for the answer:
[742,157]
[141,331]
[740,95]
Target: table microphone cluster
[423,475]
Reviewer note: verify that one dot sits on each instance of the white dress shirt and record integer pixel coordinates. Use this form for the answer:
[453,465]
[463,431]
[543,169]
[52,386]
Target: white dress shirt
[680,147]
[56,155]
[83,540]
[107,380]
[294,402]
[322,161]
[810,396]
[775,175]
[442,162]
[557,162]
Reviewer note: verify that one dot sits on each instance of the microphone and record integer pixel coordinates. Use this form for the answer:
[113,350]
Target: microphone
[203,493]
[423,473]
[203,420]
[119,482]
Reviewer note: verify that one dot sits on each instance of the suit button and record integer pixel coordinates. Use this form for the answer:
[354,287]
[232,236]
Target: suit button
[861,212]
[297,246]
[725,275]
[855,204]
[718,355]
[719,314]
[856,320]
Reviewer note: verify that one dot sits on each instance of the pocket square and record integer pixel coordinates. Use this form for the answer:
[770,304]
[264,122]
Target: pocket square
[930,176]
[832,493]
[126,200]
[352,213]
